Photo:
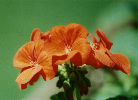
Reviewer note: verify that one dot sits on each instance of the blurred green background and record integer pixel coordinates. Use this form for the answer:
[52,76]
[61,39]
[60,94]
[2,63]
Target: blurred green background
[117,18]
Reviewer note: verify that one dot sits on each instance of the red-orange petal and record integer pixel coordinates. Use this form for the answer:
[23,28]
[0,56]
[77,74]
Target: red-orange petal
[103,57]
[36,34]
[58,32]
[45,60]
[45,36]
[23,56]
[64,36]
[93,61]
[37,76]
[26,76]
[104,39]
[83,47]
[74,31]
[27,53]
[73,56]
[55,46]
[122,63]
[93,38]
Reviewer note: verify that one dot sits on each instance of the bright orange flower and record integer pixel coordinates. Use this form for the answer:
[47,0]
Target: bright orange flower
[33,62]
[101,56]
[68,43]
[37,35]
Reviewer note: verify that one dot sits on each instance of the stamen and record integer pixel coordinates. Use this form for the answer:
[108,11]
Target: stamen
[93,45]
[31,62]
[67,50]
[35,64]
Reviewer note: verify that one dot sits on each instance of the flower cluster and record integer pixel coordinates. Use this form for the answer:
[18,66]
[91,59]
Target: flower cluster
[45,51]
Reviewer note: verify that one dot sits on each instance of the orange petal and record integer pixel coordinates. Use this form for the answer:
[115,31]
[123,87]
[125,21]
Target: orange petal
[37,76]
[57,60]
[74,31]
[26,76]
[45,60]
[24,55]
[45,36]
[36,34]
[64,36]
[122,63]
[94,39]
[83,47]
[57,32]
[38,48]
[76,58]
[93,61]
[27,53]
[103,57]
[22,86]
[73,56]
[104,39]
[54,46]
[68,34]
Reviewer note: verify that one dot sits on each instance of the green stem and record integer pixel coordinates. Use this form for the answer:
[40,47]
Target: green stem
[77,95]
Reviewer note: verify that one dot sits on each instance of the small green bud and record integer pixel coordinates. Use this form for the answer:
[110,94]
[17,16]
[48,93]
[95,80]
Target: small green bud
[65,75]
[66,84]
[62,73]
[84,70]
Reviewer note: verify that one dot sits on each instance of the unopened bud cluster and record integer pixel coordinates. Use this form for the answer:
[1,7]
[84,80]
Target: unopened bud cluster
[71,75]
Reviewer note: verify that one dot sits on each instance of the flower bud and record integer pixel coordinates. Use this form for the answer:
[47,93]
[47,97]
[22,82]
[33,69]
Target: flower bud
[66,84]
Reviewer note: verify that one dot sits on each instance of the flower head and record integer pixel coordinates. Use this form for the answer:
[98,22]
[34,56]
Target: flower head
[33,62]
[45,51]
[101,56]
[68,43]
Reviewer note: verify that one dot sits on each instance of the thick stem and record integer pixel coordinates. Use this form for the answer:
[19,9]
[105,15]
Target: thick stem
[77,95]
[69,96]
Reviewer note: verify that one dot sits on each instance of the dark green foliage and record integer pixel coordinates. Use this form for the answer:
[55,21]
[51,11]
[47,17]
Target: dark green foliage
[72,78]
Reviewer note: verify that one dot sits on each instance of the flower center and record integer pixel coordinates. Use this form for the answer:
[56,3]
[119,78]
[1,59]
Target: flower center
[35,64]
[67,50]
[94,46]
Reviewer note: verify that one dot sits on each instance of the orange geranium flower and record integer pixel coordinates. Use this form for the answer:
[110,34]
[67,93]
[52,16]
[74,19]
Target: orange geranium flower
[101,56]
[68,43]
[33,62]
